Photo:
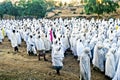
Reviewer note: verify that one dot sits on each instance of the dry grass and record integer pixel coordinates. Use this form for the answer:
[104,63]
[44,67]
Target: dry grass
[67,13]
[20,66]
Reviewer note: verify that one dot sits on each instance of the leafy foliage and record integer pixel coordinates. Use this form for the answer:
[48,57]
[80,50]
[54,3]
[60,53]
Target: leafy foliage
[7,8]
[32,8]
[100,6]
[28,8]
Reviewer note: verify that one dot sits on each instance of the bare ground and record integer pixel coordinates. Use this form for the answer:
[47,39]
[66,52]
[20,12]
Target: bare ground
[20,66]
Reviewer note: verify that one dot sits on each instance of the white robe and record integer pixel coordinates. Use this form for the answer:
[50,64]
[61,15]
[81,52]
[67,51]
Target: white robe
[18,38]
[65,43]
[13,39]
[110,64]
[117,74]
[25,36]
[93,42]
[47,44]
[57,55]
[73,45]
[85,72]
[79,48]
[21,33]
[8,33]
[39,43]
[1,37]
[117,56]
[31,45]
[98,58]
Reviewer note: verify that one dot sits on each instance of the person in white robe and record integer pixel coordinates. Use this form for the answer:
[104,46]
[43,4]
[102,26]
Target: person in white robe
[21,31]
[107,45]
[92,45]
[13,39]
[73,40]
[117,56]
[19,40]
[26,35]
[64,42]
[85,72]
[8,33]
[31,46]
[47,44]
[80,48]
[57,56]
[110,63]
[1,37]
[99,57]
[117,74]
[39,43]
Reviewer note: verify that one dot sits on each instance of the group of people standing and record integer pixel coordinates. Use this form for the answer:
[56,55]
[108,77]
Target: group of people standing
[91,41]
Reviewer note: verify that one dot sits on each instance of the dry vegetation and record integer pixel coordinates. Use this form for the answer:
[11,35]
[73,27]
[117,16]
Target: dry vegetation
[78,11]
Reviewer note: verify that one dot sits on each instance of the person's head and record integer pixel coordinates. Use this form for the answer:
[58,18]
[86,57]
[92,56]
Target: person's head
[34,34]
[59,43]
[114,45]
[56,42]
[59,39]
[65,25]
[30,36]
[39,36]
[60,36]
[38,32]
[63,36]
[13,31]
[87,50]
[46,36]
[80,40]
[112,50]
[100,46]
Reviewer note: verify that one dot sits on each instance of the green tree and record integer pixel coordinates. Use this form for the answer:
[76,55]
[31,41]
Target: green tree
[36,8]
[2,11]
[21,7]
[51,5]
[7,8]
[100,6]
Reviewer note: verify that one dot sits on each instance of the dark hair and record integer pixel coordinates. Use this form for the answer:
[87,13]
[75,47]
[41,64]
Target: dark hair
[80,40]
[30,36]
[39,36]
[56,42]
[65,25]
[13,31]
[59,39]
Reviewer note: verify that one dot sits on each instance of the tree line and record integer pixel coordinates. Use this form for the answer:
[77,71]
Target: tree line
[35,8]
[101,6]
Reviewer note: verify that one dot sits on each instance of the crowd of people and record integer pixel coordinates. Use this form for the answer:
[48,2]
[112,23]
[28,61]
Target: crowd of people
[91,41]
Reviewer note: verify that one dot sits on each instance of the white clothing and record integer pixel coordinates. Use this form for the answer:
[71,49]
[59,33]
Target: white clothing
[13,39]
[85,72]
[110,63]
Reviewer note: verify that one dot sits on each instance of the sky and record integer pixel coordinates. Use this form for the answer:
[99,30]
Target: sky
[1,0]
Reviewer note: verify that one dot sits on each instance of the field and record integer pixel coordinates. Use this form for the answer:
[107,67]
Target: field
[20,66]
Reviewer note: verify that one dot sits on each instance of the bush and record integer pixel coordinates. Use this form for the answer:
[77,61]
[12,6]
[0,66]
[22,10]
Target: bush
[100,6]
[36,8]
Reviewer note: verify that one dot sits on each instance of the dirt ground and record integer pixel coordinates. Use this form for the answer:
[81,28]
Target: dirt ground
[20,66]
